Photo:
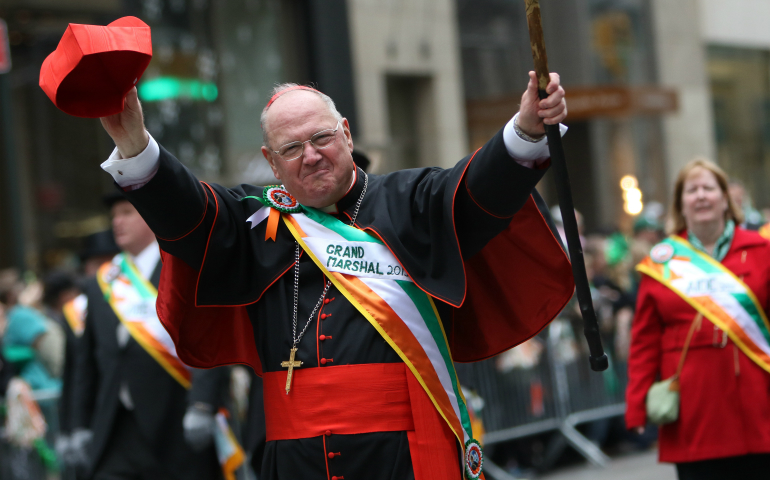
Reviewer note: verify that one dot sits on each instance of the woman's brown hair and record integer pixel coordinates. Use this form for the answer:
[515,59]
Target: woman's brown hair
[676,219]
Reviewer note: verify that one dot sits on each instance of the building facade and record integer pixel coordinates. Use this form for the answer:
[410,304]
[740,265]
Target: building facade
[391,67]
[651,84]
[737,45]
[606,55]
[704,62]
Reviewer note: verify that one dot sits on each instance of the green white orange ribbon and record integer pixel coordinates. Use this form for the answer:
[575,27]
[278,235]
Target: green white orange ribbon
[403,314]
[229,451]
[75,313]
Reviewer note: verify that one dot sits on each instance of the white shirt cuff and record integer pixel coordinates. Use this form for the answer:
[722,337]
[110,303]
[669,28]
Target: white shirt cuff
[527,154]
[135,172]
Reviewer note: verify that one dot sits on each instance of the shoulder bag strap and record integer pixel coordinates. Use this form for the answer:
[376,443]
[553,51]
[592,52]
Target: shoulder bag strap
[696,323]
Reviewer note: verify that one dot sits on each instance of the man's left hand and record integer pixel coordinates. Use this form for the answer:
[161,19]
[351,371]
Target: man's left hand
[534,113]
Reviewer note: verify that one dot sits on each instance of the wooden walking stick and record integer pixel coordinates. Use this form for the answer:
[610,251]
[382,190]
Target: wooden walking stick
[597,358]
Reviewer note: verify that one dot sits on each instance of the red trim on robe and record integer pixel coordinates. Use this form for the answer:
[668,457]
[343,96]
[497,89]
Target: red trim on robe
[203,217]
[515,286]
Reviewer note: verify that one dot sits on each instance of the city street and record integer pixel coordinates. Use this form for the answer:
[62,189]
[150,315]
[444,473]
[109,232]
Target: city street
[402,214]
[642,466]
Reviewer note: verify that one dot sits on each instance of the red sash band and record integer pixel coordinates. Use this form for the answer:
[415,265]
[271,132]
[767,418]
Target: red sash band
[351,399]
[345,399]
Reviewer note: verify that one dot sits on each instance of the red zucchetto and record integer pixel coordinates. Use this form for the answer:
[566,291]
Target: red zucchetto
[92,69]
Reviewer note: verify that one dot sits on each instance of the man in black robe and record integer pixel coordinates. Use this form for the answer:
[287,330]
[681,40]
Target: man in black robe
[470,236]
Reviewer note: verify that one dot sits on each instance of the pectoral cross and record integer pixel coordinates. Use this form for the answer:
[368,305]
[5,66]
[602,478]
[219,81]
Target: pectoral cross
[291,364]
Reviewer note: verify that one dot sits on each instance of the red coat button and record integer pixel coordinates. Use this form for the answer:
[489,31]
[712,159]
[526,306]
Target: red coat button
[328,433]
[323,316]
[323,361]
[326,301]
[331,454]
[322,338]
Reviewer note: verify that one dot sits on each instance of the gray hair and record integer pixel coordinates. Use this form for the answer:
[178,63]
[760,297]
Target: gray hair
[285,86]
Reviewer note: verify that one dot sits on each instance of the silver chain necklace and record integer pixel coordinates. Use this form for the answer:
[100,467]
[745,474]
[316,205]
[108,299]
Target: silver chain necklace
[328,282]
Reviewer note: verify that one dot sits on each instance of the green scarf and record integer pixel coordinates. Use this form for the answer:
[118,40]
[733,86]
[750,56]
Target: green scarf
[723,242]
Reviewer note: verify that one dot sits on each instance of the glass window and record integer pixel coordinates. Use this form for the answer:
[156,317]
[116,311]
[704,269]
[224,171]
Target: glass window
[740,89]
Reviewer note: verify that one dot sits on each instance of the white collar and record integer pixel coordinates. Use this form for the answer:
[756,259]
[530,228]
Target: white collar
[333,207]
[330,208]
[147,260]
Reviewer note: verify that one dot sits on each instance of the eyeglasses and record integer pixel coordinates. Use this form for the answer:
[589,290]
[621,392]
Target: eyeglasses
[294,150]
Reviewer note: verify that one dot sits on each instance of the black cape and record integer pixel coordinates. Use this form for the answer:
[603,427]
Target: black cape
[227,297]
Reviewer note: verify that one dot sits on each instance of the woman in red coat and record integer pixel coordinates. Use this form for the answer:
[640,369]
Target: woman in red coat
[723,428]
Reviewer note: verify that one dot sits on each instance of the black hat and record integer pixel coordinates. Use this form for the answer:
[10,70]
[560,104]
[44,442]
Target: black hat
[113,197]
[361,160]
[99,243]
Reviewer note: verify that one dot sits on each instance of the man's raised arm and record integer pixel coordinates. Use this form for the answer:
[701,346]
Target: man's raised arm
[167,195]
[127,127]
[497,185]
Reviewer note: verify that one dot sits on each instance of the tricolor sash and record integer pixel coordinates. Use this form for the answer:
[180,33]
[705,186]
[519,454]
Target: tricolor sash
[75,313]
[229,451]
[367,273]
[714,291]
[132,298]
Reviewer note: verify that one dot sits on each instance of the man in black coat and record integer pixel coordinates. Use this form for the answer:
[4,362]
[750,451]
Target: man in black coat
[128,409]
[237,287]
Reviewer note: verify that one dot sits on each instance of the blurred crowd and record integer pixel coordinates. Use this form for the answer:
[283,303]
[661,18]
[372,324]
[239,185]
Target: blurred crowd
[36,359]
[40,330]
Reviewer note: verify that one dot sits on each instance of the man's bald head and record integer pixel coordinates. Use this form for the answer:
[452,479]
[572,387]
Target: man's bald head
[324,171]
[288,89]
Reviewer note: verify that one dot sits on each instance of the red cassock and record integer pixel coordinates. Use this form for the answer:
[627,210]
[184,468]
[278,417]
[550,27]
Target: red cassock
[725,396]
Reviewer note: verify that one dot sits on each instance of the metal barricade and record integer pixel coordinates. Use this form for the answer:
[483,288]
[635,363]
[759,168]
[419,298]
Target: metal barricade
[556,393]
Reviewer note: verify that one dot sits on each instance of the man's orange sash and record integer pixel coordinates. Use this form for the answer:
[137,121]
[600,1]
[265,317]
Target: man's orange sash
[351,399]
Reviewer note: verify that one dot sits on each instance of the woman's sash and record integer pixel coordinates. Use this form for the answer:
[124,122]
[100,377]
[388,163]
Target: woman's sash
[132,298]
[713,290]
